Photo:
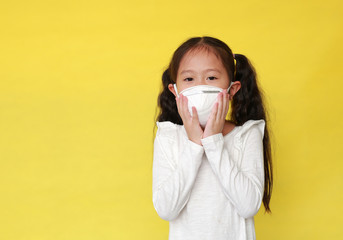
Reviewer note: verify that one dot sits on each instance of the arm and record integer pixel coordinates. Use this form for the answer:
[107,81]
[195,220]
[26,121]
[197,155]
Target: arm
[175,167]
[243,185]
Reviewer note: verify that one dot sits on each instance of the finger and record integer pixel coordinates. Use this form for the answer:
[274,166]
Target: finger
[181,107]
[195,115]
[225,105]
[214,111]
[186,108]
[177,99]
[181,103]
[220,106]
[178,104]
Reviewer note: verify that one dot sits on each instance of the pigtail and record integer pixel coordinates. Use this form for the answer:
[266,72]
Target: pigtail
[167,103]
[248,104]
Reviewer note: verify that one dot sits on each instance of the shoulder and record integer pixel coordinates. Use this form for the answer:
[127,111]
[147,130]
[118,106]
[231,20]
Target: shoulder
[166,125]
[253,128]
[253,124]
[169,129]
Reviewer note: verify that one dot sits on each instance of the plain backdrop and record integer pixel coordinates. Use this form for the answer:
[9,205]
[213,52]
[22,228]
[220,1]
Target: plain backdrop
[79,82]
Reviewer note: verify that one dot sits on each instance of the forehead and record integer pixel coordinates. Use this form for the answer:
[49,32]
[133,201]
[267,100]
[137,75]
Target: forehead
[201,57]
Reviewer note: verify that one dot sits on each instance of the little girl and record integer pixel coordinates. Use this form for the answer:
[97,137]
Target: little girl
[210,175]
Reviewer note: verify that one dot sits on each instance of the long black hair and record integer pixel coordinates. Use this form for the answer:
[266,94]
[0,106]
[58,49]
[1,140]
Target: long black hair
[247,103]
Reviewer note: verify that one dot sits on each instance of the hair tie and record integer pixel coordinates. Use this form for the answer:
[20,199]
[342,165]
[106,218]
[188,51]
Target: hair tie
[233,55]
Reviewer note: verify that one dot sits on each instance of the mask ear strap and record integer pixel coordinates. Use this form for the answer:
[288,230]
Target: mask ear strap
[176,90]
[228,90]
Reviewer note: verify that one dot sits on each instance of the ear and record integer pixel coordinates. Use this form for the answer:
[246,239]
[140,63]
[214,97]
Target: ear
[171,88]
[234,88]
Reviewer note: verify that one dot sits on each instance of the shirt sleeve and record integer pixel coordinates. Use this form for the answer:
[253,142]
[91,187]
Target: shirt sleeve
[243,185]
[175,167]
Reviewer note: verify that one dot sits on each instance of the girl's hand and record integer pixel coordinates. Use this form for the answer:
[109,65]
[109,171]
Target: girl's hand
[215,123]
[191,123]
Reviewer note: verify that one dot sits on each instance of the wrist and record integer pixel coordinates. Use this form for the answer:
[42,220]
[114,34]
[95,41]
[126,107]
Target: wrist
[212,139]
[208,134]
[197,141]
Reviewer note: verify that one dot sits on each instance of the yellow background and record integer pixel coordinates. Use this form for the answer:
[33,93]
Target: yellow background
[78,91]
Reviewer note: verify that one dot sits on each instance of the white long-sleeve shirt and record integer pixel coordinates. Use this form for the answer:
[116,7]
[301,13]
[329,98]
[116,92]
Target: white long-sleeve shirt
[213,191]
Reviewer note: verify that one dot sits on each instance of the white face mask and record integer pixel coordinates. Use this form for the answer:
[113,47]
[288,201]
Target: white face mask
[203,98]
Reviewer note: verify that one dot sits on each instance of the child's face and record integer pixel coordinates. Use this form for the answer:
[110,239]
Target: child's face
[201,68]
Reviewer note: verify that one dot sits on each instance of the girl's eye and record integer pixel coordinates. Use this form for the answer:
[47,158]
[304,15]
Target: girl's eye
[212,78]
[188,79]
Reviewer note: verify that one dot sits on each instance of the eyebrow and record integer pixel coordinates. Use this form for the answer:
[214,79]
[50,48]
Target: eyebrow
[207,70]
